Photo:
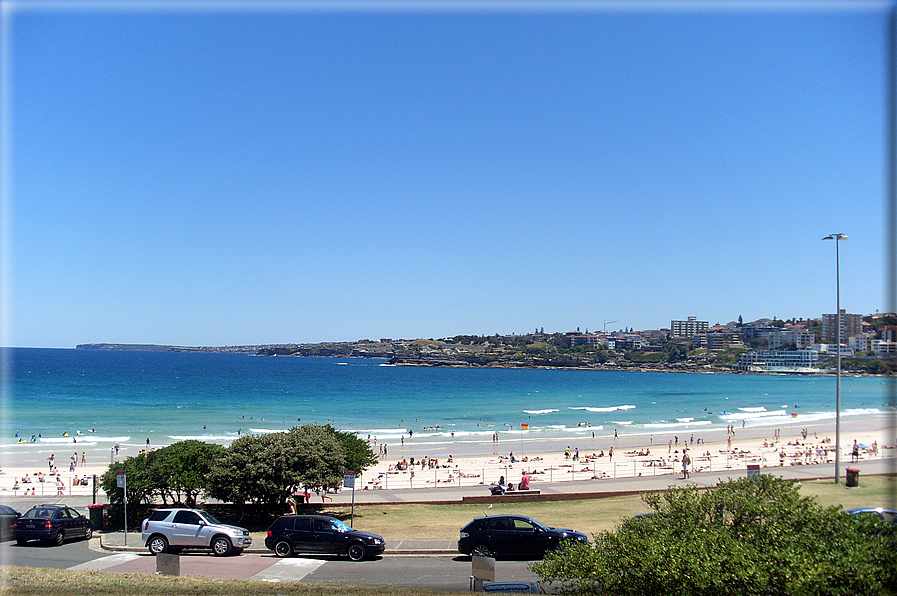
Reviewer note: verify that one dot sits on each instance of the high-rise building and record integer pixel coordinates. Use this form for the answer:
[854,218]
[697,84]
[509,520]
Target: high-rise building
[851,324]
[688,328]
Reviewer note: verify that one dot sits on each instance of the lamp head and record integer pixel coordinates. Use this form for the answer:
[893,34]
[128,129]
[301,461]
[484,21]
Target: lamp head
[836,237]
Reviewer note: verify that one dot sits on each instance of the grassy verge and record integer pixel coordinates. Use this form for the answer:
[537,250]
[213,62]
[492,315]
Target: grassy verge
[29,581]
[412,521]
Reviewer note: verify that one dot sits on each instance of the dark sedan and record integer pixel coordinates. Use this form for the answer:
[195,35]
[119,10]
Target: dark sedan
[887,515]
[8,517]
[293,534]
[52,523]
[513,535]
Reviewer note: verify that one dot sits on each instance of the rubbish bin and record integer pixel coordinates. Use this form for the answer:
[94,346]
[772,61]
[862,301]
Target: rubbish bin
[853,477]
[96,516]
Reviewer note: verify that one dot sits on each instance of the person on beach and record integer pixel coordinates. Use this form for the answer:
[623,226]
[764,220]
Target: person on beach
[51,461]
[855,453]
[686,460]
[524,481]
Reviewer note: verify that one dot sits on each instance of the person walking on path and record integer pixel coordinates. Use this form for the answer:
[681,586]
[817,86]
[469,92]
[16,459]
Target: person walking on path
[686,460]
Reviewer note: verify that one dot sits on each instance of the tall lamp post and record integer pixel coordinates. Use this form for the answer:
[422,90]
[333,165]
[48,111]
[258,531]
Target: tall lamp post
[837,238]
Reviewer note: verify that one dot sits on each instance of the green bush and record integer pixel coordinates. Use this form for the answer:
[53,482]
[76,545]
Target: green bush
[747,536]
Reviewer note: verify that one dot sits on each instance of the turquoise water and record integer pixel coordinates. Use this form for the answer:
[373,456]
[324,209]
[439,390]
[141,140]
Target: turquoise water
[129,397]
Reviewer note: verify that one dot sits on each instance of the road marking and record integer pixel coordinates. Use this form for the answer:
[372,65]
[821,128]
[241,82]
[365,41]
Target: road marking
[105,562]
[288,570]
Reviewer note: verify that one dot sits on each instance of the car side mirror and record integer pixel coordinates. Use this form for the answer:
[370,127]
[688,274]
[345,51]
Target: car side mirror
[202,522]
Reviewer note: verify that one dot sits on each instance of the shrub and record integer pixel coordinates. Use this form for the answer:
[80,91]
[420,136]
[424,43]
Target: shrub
[747,536]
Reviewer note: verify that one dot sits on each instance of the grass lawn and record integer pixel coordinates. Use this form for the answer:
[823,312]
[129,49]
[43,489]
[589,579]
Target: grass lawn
[443,522]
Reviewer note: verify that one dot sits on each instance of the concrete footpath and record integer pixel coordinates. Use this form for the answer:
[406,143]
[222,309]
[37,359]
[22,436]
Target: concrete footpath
[586,489]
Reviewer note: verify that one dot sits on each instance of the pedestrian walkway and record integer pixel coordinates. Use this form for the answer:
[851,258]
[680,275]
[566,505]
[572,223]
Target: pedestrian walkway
[586,489]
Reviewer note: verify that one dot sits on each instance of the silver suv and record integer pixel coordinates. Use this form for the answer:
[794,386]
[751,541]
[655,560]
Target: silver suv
[170,530]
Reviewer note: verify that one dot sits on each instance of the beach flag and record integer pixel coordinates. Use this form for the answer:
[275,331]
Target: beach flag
[524,427]
[794,414]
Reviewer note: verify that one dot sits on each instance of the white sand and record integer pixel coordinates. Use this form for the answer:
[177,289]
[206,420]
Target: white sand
[544,460]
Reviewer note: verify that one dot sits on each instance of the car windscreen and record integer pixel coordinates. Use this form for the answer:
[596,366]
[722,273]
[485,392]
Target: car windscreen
[340,526]
[210,518]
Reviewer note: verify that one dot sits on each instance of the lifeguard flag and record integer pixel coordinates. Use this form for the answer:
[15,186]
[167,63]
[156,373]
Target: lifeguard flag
[524,427]
[794,414]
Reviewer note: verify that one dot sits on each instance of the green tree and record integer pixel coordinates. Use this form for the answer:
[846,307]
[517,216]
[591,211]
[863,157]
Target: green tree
[181,470]
[268,469]
[748,536]
[357,452]
[141,488]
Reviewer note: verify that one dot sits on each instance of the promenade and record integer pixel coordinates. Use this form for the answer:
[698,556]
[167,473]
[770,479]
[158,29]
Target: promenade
[586,489]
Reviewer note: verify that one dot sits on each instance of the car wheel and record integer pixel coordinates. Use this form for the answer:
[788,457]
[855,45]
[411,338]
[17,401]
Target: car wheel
[221,546]
[88,533]
[481,550]
[356,551]
[283,548]
[59,539]
[157,545]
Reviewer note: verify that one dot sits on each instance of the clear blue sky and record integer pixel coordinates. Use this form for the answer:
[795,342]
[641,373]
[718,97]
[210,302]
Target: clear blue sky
[223,176]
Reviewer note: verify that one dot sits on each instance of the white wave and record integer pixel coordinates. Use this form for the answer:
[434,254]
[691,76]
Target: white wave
[685,419]
[381,431]
[604,409]
[678,424]
[754,415]
[622,422]
[227,437]
[535,412]
[759,409]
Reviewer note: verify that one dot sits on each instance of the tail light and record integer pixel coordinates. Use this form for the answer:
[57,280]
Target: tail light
[145,525]
[48,525]
[270,534]
[465,535]
[15,524]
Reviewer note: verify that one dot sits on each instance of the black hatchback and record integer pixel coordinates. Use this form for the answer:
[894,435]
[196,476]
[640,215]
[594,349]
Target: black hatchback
[52,523]
[319,534]
[516,535]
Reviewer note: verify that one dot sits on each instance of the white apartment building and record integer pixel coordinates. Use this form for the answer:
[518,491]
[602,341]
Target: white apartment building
[688,328]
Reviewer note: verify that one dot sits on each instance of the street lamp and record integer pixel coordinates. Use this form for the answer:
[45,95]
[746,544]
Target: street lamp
[837,238]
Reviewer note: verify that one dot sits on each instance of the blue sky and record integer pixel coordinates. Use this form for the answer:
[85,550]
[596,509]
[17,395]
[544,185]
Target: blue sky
[204,174]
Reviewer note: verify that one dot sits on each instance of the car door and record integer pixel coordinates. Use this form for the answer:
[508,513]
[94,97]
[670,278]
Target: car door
[528,540]
[74,525]
[61,522]
[325,536]
[186,529]
[500,536]
[302,535]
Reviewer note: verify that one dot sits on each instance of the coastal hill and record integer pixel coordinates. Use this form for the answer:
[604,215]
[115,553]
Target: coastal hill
[616,350]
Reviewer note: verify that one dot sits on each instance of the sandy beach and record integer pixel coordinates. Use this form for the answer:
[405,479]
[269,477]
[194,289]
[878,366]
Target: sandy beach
[548,460]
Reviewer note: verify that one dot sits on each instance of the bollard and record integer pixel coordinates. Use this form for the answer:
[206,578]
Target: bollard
[167,564]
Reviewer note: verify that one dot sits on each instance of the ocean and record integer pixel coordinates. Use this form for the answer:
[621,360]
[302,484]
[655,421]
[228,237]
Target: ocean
[94,399]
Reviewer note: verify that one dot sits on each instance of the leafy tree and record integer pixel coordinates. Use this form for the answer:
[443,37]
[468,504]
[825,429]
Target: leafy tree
[267,469]
[748,536]
[357,452]
[181,470]
[137,472]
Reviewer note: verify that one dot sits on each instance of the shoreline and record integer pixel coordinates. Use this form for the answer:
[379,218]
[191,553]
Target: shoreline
[476,464]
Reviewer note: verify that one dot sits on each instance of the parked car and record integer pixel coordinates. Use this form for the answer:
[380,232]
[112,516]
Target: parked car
[52,523]
[8,517]
[170,530]
[888,515]
[294,534]
[513,535]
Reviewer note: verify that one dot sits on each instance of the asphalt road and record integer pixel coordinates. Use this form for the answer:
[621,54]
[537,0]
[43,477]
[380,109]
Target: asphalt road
[439,572]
